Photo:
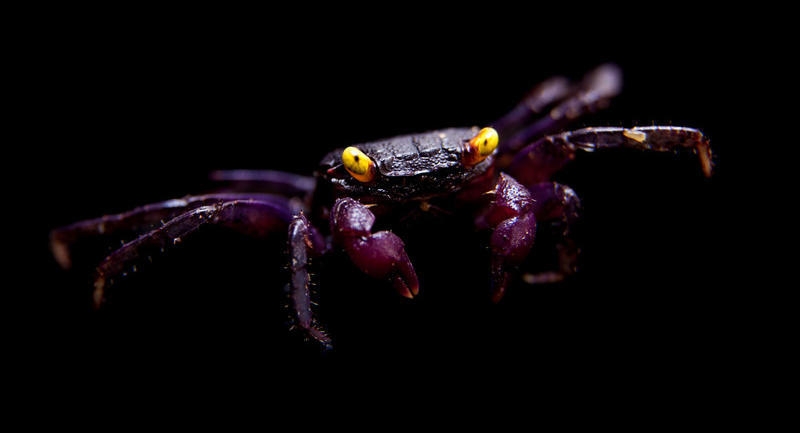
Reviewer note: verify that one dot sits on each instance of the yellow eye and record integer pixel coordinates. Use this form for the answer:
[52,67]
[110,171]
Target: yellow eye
[358,164]
[480,146]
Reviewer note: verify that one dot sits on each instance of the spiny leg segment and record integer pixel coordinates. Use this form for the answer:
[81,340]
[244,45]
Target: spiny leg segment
[540,160]
[544,95]
[592,93]
[304,242]
[140,220]
[251,217]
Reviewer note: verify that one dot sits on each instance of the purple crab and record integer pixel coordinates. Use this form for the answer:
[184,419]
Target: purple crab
[500,176]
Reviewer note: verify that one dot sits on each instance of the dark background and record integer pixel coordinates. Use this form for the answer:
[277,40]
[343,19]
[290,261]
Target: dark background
[131,113]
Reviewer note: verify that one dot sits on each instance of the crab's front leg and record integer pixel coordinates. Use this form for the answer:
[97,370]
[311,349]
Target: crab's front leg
[380,255]
[511,215]
[304,242]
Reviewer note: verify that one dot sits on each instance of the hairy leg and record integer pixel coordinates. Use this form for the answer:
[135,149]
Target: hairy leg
[304,242]
[380,255]
[251,217]
[539,161]
[592,93]
[140,220]
[535,102]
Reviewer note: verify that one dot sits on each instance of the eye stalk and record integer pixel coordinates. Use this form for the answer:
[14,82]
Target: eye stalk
[358,164]
[480,146]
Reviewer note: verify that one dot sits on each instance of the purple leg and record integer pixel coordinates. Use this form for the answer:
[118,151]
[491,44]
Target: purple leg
[591,94]
[560,205]
[540,160]
[540,97]
[380,255]
[140,220]
[511,215]
[267,181]
[254,218]
[304,242]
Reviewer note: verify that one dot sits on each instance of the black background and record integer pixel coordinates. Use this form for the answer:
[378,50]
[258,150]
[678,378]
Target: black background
[126,113]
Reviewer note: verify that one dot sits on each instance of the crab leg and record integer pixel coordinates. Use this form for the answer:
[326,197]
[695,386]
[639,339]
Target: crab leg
[540,160]
[559,204]
[540,97]
[304,241]
[254,218]
[379,255]
[269,181]
[139,220]
[593,93]
[511,215]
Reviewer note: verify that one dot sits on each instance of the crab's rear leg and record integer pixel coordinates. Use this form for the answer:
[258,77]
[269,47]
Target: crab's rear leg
[141,220]
[592,93]
[253,218]
[535,102]
[539,161]
[380,255]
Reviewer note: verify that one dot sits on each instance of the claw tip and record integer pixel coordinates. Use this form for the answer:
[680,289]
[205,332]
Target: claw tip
[404,290]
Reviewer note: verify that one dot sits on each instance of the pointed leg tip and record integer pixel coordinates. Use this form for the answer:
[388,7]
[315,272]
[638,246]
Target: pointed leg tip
[497,297]
[707,166]
[325,342]
[61,254]
[499,290]
[99,293]
[707,172]
[704,152]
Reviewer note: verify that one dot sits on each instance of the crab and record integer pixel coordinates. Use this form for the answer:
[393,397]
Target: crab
[499,176]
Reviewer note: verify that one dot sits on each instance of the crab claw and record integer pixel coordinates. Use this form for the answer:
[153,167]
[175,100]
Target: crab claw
[512,217]
[510,244]
[380,255]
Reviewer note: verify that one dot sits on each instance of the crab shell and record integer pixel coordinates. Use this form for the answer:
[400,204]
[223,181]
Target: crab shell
[410,167]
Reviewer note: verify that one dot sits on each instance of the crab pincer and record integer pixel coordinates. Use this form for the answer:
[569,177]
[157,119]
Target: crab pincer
[380,255]
[511,215]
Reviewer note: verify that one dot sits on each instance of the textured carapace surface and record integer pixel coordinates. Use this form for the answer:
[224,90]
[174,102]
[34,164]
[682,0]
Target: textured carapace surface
[410,167]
